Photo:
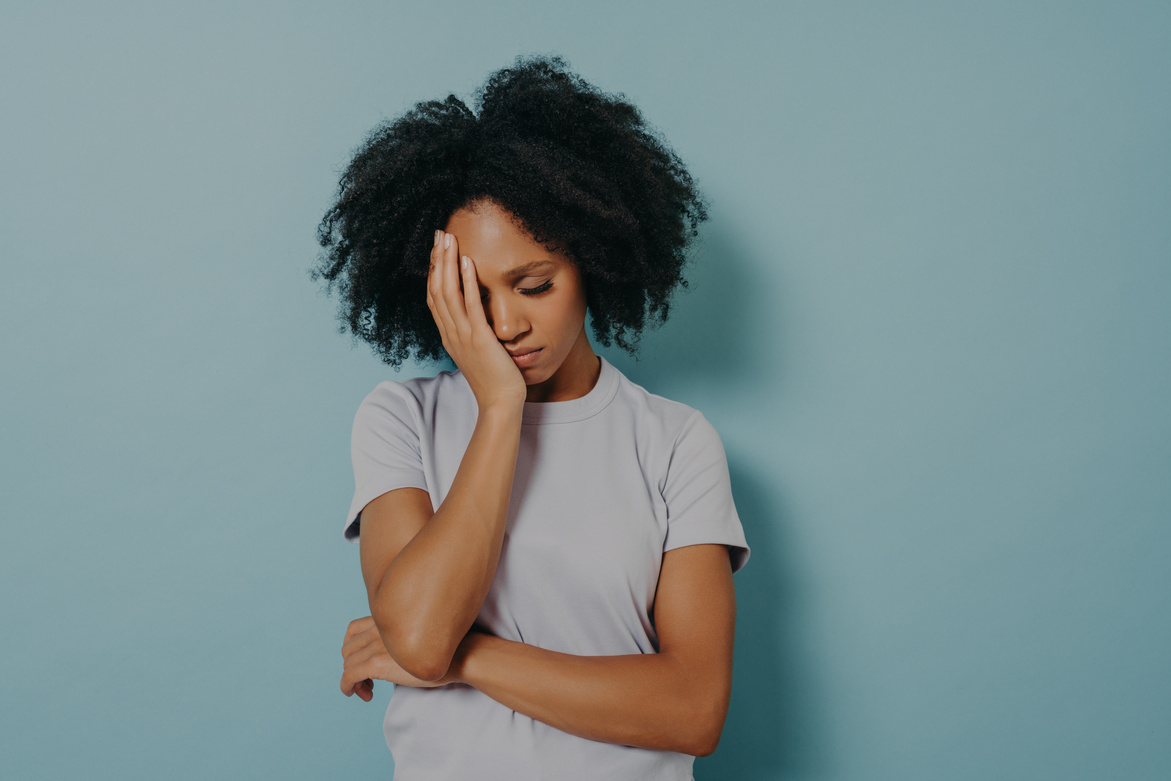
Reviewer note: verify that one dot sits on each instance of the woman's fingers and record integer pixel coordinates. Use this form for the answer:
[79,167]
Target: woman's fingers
[358,646]
[357,626]
[449,282]
[361,654]
[472,301]
[443,288]
[354,681]
[436,300]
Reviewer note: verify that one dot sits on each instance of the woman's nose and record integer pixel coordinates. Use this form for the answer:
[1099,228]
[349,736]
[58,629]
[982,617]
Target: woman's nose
[507,319]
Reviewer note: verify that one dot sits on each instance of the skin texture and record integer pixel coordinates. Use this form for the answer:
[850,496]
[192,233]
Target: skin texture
[427,573]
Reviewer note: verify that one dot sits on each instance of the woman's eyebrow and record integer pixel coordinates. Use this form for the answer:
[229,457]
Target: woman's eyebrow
[527,268]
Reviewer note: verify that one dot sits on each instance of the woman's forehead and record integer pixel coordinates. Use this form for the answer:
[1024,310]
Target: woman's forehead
[498,244]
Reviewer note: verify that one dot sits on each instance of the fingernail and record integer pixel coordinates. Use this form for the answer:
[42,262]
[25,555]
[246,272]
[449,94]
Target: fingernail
[446,240]
[437,233]
[465,263]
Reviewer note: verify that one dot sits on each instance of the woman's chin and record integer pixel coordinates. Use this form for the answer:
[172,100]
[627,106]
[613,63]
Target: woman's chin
[534,376]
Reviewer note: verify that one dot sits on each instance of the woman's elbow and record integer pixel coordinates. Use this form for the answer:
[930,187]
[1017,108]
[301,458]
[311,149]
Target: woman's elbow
[707,724]
[425,668]
[705,739]
[417,652]
[706,744]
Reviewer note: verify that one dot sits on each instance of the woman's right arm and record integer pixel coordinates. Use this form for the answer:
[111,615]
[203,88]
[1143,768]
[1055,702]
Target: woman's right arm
[427,573]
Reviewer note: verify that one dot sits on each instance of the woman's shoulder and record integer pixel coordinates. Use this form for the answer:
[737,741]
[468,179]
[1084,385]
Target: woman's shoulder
[442,384]
[419,397]
[665,417]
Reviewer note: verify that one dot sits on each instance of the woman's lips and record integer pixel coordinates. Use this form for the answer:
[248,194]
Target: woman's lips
[527,358]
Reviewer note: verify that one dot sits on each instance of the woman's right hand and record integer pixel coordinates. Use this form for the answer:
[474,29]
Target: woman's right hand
[367,660]
[463,325]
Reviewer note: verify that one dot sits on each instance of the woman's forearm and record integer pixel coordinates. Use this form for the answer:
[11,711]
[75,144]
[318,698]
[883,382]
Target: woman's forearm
[431,592]
[650,701]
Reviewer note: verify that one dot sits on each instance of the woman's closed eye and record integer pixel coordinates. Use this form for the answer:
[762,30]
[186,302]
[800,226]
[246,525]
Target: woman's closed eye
[536,291]
[544,287]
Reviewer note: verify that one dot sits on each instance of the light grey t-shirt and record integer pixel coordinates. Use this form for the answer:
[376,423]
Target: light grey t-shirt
[604,485]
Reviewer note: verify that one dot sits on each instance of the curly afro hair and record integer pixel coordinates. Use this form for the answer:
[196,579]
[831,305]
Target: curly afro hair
[578,169]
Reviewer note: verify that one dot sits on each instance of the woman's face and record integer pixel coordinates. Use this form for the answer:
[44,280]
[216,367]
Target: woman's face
[534,301]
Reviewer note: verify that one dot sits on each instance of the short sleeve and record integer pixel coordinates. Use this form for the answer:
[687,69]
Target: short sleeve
[384,448]
[698,493]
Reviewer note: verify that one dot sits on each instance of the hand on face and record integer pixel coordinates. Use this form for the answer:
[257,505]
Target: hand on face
[467,336]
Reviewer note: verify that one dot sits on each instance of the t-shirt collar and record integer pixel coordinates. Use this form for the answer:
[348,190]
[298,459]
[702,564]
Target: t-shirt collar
[576,409]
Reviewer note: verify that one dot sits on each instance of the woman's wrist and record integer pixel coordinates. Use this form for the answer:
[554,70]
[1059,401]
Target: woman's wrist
[457,671]
[505,410]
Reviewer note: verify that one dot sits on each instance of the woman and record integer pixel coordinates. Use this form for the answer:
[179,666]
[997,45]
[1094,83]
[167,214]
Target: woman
[548,548]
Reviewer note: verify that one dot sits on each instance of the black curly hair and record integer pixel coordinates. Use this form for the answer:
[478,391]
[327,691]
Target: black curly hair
[578,169]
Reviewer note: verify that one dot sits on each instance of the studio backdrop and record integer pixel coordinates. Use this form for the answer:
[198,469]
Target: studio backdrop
[928,315]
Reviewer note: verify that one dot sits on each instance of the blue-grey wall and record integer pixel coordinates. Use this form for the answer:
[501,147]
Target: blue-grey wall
[930,317]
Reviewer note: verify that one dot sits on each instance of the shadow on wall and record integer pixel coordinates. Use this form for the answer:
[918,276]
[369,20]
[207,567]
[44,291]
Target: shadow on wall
[710,336]
[771,731]
[715,346]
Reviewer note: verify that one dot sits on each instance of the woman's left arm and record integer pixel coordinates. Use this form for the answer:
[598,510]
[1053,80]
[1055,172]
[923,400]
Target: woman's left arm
[675,700]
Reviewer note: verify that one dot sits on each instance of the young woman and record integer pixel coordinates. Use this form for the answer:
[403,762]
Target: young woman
[547,547]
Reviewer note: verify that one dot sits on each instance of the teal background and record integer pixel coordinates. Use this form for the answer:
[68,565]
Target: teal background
[929,318]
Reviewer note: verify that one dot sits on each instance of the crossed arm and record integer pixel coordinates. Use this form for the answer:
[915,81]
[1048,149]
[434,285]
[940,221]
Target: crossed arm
[675,700]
